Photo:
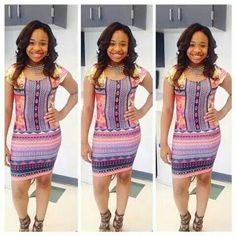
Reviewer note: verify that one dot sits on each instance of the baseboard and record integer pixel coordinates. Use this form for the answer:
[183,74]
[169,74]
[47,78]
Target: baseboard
[64,179]
[142,175]
[221,177]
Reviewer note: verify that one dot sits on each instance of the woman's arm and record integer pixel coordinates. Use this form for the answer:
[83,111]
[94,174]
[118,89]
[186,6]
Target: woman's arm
[72,88]
[213,115]
[166,119]
[136,114]
[9,98]
[86,119]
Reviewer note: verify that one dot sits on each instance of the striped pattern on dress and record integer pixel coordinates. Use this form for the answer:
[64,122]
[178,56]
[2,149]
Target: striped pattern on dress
[194,153]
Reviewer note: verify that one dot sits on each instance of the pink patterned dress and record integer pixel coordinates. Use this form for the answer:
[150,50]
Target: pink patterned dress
[115,140]
[35,143]
[195,141]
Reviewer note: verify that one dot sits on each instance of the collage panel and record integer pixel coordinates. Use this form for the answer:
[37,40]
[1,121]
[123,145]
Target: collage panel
[88,146]
[116,129]
[41,155]
[194,129]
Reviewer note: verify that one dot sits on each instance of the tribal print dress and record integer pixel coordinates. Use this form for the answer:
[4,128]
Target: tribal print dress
[115,140]
[195,141]
[35,143]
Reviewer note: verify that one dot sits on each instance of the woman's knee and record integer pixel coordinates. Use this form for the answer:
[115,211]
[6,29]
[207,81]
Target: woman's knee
[204,179]
[124,178]
[101,184]
[181,186]
[44,181]
[19,189]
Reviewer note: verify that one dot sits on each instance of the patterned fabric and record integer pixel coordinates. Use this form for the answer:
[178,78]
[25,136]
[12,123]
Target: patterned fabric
[195,141]
[35,143]
[115,140]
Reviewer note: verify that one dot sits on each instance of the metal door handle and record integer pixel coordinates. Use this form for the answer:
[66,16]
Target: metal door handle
[91,13]
[99,13]
[18,11]
[179,14]
[9,11]
[170,15]
[132,14]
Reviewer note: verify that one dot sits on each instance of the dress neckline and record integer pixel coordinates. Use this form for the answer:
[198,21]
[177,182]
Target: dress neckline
[33,79]
[196,81]
[116,79]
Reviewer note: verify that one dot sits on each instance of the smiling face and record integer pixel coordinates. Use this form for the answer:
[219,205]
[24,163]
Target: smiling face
[198,49]
[118,48]
[37,48]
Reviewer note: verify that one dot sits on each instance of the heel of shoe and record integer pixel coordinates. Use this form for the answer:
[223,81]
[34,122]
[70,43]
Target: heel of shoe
[24,224]
[198,223]
[184,224]
[118,222]
[105,221]
[38,225]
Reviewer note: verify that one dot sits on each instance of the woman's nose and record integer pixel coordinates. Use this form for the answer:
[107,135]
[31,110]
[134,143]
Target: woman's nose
[197,48]
[117,47]
[37,46]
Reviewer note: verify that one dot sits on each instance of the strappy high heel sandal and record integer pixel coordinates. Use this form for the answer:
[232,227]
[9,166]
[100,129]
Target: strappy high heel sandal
[118,222]
[105,221]
[24,224]
[38,225]
[184,225]
[198,223]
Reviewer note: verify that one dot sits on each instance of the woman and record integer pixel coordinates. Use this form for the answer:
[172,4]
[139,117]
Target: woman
[32,82]
[113,81]
[192,83]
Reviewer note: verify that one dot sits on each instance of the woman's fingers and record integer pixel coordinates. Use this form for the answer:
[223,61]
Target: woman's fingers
[211,115]
[7,157]
[131,114]
[52,115]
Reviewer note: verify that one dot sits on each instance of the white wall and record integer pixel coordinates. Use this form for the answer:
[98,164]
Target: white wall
[144,38]
[224,51]
[67,40]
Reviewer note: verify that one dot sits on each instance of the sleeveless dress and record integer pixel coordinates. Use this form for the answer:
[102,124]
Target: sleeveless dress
[35,143]
[195,141]
[115,140]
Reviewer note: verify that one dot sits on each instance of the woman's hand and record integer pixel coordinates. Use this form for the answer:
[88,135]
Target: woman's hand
[133,114]
[86,152]
[212,115]
[166,154]
[7,156]
[53,115]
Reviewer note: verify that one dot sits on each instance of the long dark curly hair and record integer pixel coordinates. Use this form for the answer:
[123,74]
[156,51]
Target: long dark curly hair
[22,43]
[183,45]
[104,42]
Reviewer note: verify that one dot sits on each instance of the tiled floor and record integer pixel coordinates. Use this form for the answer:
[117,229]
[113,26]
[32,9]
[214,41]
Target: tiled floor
[61,214]
[167,215]
[135,220]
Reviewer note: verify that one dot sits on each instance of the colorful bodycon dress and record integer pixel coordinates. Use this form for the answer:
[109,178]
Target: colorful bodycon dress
[195,141]
[35,143]
[115,140]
